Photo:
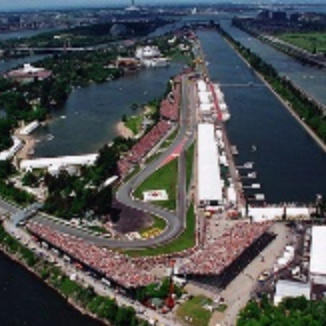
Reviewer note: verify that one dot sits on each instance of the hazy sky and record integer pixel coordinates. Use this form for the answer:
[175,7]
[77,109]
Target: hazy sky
[41,4]
[22,4]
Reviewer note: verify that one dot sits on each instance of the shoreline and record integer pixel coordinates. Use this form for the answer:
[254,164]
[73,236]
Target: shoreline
[27,151]
[123,131]
[71,302]
[289,107]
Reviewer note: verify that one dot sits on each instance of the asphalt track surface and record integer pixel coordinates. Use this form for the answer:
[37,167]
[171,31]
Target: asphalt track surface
[175,220]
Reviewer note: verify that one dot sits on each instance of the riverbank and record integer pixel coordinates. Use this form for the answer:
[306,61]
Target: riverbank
[123,131]
[27,150]
[285,103]
[85,294]
[32,269]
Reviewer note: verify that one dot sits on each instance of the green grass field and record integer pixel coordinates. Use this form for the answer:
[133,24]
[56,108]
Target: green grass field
[194,309]
[313,42]
[164,178]
[189,163]
[134,123]
[185,241]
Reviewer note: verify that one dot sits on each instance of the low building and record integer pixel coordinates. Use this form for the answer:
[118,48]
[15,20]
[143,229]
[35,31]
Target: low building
[147,52]
[57,164]
[128,64]
[317,268]
[29,128]
[28,74]
[209,175]
[150,56]
[291,289]
[261,214]
[10,153]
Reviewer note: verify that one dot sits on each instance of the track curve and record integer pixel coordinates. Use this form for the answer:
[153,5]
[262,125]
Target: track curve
[175,220]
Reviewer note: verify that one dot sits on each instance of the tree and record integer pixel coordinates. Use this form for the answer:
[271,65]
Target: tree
[103,201]
[29,179]
[126,316]
[6,169]
[5,134]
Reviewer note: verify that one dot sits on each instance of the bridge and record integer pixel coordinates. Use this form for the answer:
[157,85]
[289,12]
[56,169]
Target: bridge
[54,50]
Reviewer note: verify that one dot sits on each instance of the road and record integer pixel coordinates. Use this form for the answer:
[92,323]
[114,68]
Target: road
[86,279]
[175,221]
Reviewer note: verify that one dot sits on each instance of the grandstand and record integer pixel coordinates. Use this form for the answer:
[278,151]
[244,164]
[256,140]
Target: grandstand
[220,262]
[169,113]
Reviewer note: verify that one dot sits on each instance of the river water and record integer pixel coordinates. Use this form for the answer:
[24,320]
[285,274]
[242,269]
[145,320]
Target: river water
[291,166]
[25,33]
[9,64]
[88,119]
[309,78]
[26,301]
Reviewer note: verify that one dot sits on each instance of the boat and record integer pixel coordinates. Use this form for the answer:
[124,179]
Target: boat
[253,148]
[249,165]
[49,137]
[234,150]
[252,175]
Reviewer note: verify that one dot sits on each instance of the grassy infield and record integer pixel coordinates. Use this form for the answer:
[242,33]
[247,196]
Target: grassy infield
[166,178]
[309,41]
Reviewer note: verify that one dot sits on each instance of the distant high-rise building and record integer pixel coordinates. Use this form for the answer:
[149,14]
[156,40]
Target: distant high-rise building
[133,7]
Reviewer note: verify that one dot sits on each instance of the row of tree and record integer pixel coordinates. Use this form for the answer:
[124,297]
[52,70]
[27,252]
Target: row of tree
[86,194]
[290,312]
[8,190]
[85,35]
[102,307]
[308,110]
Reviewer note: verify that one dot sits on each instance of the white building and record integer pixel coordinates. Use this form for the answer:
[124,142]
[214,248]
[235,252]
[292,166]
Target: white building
[147,52]
[209,175]
[29,128]
[150,56]
[204,97]
[290,289]
[317,267]
[206,108]
[10,153]
[202,86]
[55,165]
[261,214]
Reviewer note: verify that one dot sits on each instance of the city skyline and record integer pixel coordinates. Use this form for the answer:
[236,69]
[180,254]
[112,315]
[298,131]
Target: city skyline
[7,5]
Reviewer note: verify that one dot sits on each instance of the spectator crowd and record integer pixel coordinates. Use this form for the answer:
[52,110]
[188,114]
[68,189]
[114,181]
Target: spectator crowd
[226,249]
[169,112]
[116,267]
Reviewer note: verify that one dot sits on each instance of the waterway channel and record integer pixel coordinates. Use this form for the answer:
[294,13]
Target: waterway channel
[291,166]
[310,78]
[25,300]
